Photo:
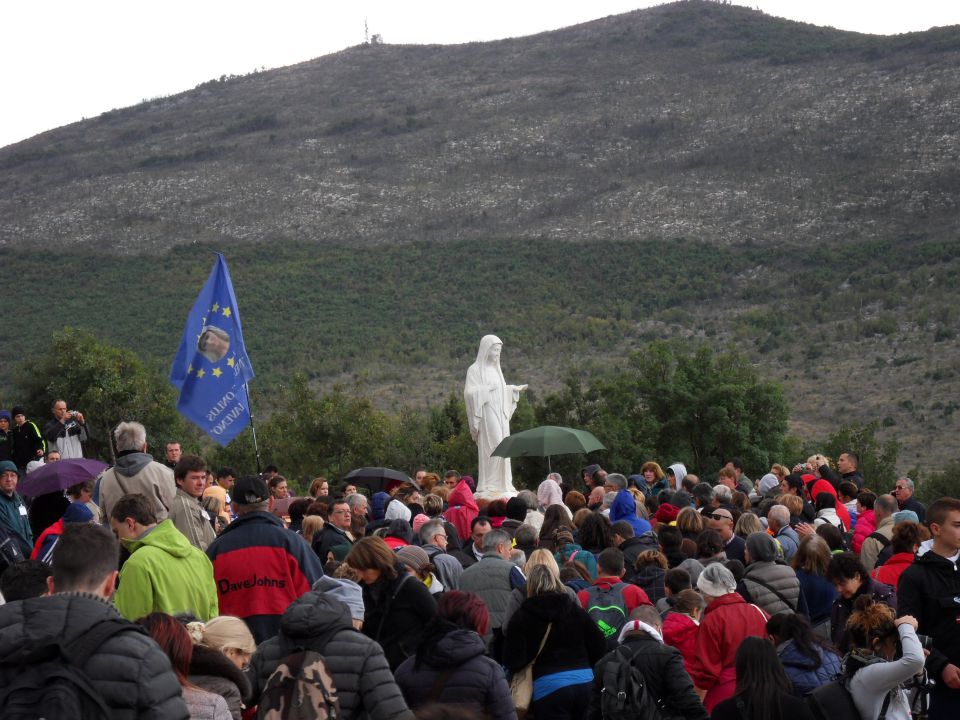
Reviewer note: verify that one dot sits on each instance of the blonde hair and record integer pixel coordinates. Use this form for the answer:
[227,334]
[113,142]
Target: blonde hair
[542,581]
[779,470]
[312,524]
[747,525]
[793,503]
[689,520]
[224,633]
[818,460]
[540,556]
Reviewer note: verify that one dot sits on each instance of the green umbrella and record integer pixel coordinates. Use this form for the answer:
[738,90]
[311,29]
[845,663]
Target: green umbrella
[547,440]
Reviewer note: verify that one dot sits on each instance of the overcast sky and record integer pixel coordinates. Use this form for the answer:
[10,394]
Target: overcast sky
[64,60]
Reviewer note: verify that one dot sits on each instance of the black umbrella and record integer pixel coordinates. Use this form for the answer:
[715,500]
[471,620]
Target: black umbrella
[377,479]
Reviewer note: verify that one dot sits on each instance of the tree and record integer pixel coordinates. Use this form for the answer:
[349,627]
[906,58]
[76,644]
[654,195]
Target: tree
[109,384]
[945,483]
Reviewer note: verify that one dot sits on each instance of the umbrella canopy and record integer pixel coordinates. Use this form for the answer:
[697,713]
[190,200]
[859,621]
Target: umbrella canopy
[377,479]
[60,475]
[547,440]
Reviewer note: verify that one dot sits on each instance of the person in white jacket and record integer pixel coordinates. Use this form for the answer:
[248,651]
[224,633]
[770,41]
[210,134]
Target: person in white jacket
[888,653]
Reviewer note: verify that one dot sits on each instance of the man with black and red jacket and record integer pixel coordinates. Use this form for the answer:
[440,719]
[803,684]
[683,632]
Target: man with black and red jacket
[259,566]
[929,590]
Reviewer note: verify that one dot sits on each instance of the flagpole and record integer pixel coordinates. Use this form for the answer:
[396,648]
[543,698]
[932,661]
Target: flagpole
[253,429]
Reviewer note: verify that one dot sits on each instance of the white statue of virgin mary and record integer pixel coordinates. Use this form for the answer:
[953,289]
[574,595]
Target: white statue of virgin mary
[490,405]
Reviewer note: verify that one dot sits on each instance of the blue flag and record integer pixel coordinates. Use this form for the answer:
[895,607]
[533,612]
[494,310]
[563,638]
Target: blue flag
[211,368]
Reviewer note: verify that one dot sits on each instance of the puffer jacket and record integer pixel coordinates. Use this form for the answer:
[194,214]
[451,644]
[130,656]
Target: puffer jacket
[866,524]
[475,681]
[806,675]
[396,613]
[761,576]
[214,672]
[317,621]
[680,631]
[129,670]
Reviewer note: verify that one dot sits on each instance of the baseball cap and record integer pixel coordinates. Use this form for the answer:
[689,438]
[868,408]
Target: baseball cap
[249,489]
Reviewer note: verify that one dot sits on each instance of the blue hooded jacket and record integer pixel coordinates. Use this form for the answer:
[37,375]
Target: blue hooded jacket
[624,507]
[805,675]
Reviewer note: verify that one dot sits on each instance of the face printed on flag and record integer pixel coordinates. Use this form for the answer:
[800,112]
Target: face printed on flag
[211,368]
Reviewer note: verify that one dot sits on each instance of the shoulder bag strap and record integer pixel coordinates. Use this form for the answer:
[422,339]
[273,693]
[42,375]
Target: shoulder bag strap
[774,591]
[542,643]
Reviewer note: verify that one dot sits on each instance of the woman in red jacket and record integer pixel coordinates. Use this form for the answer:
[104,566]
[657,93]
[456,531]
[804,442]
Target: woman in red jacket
[906,540]
[727,620]
[680,626]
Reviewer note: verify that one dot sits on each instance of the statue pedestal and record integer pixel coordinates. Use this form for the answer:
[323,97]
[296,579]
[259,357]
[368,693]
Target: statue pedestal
[492,495]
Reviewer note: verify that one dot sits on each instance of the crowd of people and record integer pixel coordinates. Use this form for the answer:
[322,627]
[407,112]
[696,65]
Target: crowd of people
[180,591]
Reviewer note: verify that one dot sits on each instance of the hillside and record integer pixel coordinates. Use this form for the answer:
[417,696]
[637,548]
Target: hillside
[692,170]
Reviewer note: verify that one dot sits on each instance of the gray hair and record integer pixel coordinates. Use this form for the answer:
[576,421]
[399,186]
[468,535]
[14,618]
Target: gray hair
[429,529]
[780,514]
[130,436]
[722,493]
[526,534]
[617,479]
[355,500]
[908,482]
[494,538]
[556,477]
[608,499]
[529,498]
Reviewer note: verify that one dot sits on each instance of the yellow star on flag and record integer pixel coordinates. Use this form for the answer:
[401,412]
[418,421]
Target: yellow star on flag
[216,306]
[226,312]
[217,372]
[200,373]
[231,362]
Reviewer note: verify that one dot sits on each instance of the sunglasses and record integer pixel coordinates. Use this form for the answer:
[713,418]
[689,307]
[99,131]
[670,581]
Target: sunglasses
[718,516]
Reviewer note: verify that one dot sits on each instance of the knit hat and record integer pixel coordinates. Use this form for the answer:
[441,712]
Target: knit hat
[77,513]
[905,516]
[762,547]
[5,415]
[8,466]
[666,513]
[716,580]
[516,509]
[419,521]
[396,510]
[18,410]
[768,484]
[413,557]
[346,591]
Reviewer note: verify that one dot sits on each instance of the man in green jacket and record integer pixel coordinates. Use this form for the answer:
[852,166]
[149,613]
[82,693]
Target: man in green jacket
[164,573]
[13,513]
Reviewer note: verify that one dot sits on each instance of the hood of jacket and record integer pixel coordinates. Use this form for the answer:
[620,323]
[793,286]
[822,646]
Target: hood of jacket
[40,622]
[679,627]
[461,495]
[679,472]
[455,648]
[164,536]
[315,615]
[378,504]
[130,464]
[207,661]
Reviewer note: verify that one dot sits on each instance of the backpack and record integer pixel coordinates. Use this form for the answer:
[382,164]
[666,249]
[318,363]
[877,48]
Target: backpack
[833,701]
[879,537]
[607,607]
[10,552]
[54,685]
[624,695]
[301,688]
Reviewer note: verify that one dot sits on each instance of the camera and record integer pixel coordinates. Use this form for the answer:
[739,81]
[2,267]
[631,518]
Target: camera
[925,641]
[73,413]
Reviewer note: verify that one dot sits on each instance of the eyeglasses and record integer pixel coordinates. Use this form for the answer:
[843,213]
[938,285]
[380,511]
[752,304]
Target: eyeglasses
[718,516]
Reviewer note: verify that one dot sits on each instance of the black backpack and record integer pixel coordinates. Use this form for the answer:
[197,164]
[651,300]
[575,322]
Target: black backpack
[624,695]
[833,701]
[607,607]
[53,685]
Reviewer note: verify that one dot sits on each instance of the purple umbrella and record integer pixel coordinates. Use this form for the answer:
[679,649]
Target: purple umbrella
[60,475]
